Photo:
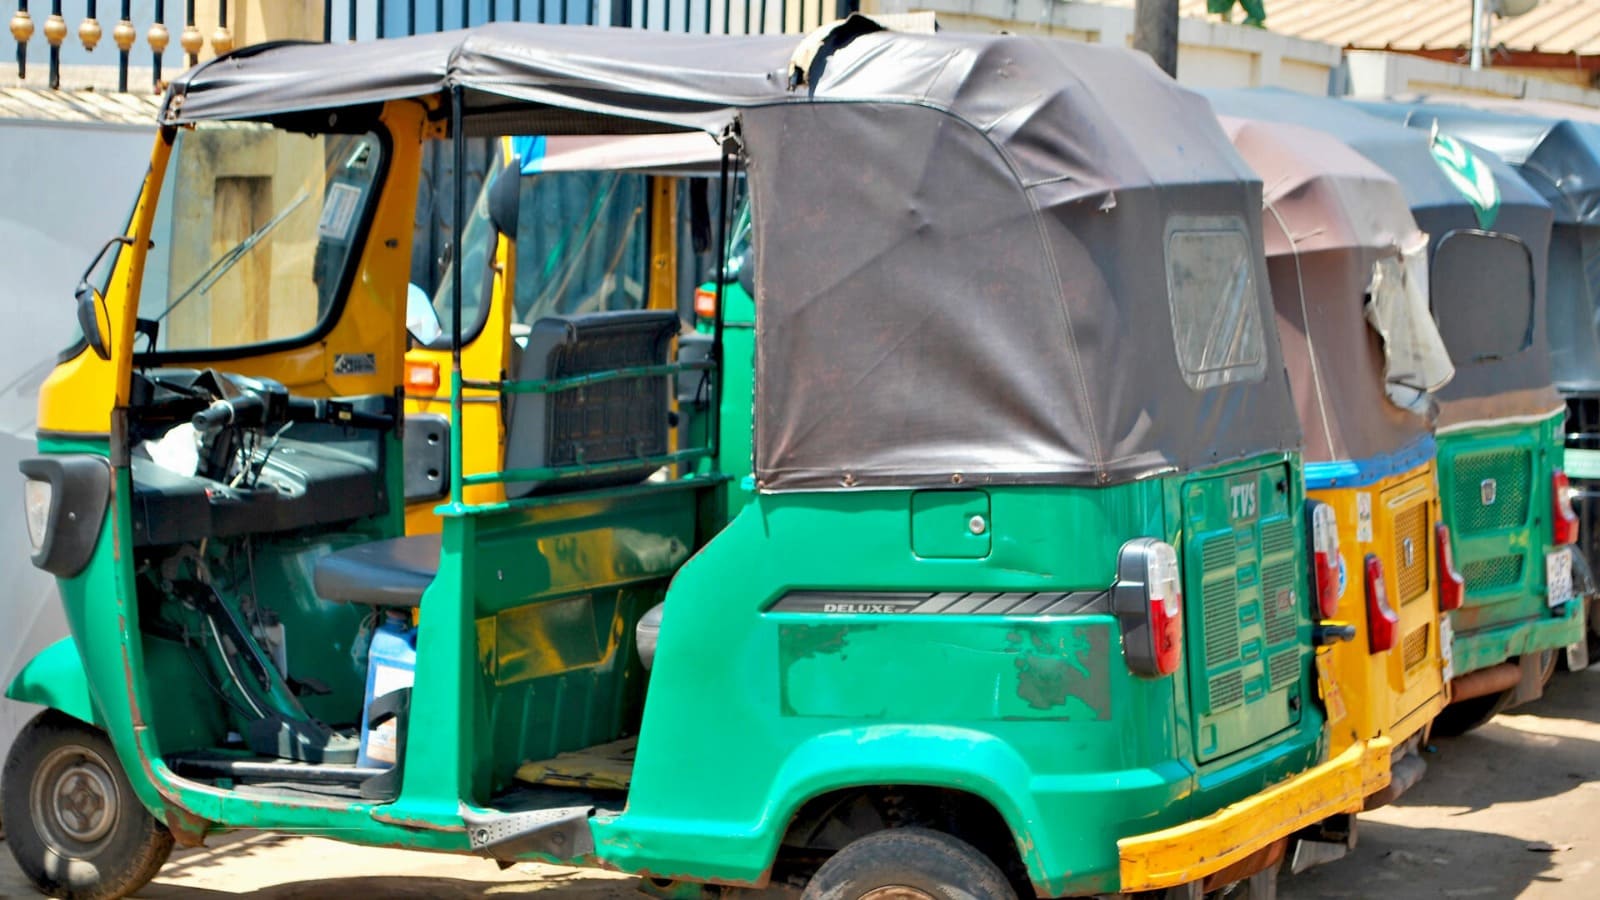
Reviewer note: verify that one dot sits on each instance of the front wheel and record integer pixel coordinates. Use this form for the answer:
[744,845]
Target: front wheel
[72,820]
[909,864]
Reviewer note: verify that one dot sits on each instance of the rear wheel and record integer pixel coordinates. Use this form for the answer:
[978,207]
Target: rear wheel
[72,820]
[1465,715]
[909,864]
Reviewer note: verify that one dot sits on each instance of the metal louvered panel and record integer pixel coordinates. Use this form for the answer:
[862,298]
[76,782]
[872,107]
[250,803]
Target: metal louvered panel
[1277,538]
[1227,690]
[1277,600]
[1411,551]
[1284,668]
[1494,572]
[1415,648]
[1500,477]
[1219,601]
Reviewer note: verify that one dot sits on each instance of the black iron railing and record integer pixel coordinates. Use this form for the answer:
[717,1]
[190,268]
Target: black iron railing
[356,19]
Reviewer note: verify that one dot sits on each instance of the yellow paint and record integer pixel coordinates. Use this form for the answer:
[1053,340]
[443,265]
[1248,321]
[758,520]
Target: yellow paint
[78,396]
[1382,696]
[1193,850]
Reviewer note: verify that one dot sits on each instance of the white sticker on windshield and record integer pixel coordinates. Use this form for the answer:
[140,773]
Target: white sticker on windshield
[339,211]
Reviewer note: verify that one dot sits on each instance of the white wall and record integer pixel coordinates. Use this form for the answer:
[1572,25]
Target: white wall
[1376,73]
[67,187]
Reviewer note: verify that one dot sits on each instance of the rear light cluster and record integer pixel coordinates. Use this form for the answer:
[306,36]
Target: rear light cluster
[1148,602]
[1325,558]
[1563,520]
[1382,621]
[1452,587]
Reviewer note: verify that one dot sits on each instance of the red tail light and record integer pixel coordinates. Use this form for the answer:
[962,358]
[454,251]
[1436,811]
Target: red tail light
[1452,587]
[1148,602]
[1562,518]
[705,303]
[1382,622]
[1325,558]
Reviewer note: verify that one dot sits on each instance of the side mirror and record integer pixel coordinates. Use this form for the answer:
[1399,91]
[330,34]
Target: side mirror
[92,319]
[505,198]
[92,315]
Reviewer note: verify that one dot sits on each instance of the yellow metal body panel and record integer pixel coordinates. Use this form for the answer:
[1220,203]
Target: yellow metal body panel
[78,396]
[1193,850]
[1397,692]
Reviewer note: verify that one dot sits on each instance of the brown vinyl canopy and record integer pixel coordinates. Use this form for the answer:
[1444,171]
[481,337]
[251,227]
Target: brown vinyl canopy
[982,258]
[1334,220]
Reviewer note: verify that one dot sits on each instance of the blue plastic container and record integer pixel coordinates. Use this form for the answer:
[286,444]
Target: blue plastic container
[391,666]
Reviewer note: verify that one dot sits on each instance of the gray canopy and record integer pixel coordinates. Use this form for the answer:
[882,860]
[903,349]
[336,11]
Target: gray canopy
[982,258]
[1487,280]
[1560,158]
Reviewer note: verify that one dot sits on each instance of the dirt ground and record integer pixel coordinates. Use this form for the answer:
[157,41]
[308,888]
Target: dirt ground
[1511,810]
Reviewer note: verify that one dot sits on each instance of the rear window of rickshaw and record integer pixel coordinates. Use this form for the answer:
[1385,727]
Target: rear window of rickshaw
[1482,293]
[1216,322]
[255,230]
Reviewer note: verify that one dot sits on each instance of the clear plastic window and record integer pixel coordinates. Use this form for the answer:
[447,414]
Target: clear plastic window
[1483,295]
[255,230]
[1211,284]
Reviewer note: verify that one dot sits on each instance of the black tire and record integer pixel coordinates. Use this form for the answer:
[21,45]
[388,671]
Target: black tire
[72,820]
[921,862]
[1463,716]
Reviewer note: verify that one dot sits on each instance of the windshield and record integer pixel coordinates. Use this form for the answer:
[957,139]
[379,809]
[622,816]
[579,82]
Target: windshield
[254,233]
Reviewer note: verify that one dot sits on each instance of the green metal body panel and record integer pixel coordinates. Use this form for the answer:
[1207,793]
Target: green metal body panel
[1040,717]
[736,418]
[1494,490]
[55,678]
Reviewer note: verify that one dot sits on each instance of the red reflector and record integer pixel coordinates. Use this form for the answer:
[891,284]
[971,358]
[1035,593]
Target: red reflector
[1562,518]
[1382,622]
[422,377]
[705,303]
[1327,585]
[1166,628]
[1452,587]
[1325,558]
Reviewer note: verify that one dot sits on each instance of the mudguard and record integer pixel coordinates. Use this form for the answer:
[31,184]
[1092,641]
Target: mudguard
[55,678]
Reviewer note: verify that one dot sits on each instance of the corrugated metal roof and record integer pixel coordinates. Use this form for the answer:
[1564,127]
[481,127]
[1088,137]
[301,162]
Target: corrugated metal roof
[1554,26]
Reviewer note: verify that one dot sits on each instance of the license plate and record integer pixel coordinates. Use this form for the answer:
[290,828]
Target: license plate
[1558,577]
[1447,640]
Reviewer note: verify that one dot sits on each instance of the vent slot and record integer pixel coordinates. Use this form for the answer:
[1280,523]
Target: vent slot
[1411,579]
[1415,648]
[1494,572]
[1510,471]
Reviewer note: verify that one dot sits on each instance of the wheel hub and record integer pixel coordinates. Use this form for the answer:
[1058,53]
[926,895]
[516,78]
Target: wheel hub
[74,800]
[896,892]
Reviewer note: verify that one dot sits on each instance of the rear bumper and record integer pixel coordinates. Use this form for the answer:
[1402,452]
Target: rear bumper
[1494,645]
[1193,850]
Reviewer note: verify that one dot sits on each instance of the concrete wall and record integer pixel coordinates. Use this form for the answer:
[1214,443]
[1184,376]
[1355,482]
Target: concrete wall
[67,188]
[1377,73]
[1210,54]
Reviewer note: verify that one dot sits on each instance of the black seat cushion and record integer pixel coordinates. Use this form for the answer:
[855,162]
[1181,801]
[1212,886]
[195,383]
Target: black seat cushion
[391,573]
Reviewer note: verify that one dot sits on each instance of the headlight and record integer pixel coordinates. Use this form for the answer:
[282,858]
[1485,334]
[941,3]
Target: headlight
[36,496]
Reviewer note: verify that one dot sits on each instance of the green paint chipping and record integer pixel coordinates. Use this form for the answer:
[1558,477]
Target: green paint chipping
[1055,670]
[1471,176]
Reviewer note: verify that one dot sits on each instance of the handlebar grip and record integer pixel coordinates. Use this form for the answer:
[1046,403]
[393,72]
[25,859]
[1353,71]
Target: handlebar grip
[213,417]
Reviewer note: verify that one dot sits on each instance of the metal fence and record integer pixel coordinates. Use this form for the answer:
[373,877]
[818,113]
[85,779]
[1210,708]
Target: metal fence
[351,20]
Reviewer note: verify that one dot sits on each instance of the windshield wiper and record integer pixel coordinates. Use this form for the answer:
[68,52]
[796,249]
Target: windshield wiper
[223,263]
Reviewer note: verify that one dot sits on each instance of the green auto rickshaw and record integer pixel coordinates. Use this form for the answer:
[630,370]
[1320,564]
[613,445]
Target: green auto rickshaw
[1018,602]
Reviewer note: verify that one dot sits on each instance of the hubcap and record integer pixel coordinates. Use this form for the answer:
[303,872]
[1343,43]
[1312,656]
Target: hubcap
[896,892]
[74,800]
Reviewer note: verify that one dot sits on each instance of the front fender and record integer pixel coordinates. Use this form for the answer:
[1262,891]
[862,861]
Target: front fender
[55,678]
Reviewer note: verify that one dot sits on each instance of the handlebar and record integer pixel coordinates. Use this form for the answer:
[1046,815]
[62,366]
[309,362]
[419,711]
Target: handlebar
[250,408]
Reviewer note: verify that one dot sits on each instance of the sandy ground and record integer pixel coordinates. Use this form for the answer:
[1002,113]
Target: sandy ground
[1511,810]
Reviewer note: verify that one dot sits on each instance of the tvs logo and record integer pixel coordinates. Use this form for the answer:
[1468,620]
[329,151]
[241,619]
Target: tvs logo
[1486,491]
[1242,499]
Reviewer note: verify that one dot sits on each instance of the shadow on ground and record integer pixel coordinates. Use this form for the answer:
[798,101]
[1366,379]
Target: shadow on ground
[1399,863]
